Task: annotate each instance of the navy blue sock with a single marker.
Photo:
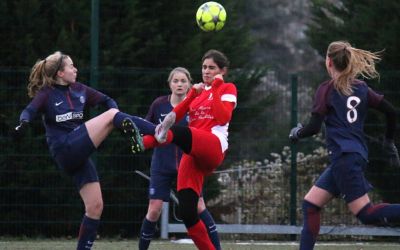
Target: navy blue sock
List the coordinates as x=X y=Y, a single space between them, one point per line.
x=383 y=214
x=311 y=225
x=208 y=220
x=145 y=127
x=147 y=232
x=87 y=233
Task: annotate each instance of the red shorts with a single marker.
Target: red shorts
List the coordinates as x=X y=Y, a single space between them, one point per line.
x=205 y=157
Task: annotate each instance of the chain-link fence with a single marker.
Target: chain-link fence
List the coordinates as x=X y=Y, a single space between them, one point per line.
x=251 y=187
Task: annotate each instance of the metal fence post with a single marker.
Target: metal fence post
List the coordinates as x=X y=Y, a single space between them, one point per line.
x=94 y=44
x=293 y=167
x=164 y=220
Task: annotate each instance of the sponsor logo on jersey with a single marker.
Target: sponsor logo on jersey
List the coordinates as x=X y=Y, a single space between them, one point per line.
x=58 y=103
x=69 y=116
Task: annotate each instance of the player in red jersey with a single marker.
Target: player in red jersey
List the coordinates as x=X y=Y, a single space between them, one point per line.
x=210 y=105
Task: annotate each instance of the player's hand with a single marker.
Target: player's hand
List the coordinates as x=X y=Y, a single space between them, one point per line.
x=218 y=81
x=219 y=76
x=391 y=152
x=294 y=133
x=199 y=87
x=19 y=131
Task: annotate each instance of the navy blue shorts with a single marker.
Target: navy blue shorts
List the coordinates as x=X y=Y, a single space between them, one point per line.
x=73 y=156
x=344 y=177
x=161 y=185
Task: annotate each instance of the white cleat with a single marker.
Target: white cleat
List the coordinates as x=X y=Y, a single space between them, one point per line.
x=162 y=128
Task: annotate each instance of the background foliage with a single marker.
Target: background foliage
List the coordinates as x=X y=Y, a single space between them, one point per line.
x=140 y=41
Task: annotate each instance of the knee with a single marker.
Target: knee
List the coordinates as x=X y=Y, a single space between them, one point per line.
x=94 y=209
x=153 y=213
x=188 y=199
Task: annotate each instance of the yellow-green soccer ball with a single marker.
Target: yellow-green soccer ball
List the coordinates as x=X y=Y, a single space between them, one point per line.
x=211 y=16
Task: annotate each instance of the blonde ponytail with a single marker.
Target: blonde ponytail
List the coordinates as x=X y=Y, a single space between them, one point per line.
x=44 y=72
x=351 y=62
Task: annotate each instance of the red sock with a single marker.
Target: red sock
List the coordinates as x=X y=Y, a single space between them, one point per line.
x=150 y=142
x=170 y=136
x=200 y=237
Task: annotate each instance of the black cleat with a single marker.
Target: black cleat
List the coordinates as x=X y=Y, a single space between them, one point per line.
x=131 y=130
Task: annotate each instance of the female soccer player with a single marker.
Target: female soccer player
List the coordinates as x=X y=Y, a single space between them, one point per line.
x=61 y=100
x=342 y=103
x=165 y=161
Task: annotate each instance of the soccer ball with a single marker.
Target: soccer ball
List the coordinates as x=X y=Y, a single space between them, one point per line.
x=211 y=16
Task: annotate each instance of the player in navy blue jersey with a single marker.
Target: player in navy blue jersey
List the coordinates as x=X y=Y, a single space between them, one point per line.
x=342 y=103
x=60 y=100
x=165 y=162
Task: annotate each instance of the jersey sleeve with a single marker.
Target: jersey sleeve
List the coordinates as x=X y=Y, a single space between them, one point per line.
x=321 y=97
x=225 y=98
x=95 y=97
x=37 y=105
x=229 y=94
x=374 y=98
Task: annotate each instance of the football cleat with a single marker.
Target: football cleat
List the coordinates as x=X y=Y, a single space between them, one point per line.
x=131 y=130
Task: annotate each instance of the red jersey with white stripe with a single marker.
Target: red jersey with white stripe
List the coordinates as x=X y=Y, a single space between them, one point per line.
x=201 y=115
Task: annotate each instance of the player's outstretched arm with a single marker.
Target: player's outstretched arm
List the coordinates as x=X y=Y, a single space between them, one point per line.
x=313 y=127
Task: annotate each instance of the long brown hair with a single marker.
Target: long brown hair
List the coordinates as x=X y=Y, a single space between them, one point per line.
x=44 y=72
x=351 y=62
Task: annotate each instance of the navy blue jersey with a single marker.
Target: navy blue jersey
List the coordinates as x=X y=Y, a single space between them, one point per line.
x=62 y=109
x=344 y=116
x=166 y=158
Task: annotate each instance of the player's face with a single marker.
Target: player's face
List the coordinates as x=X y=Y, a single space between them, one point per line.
x=69 y=73
x=209 y=69
x=179 y=84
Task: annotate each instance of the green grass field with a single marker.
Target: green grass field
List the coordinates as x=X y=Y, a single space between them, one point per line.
x=168 y=245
